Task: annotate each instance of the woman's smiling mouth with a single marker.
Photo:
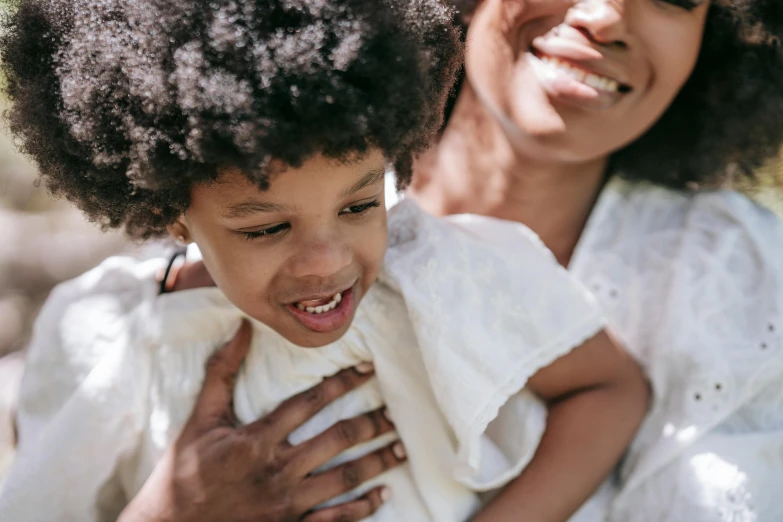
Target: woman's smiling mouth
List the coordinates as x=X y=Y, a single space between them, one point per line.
x=576 y=84
x=581 y=74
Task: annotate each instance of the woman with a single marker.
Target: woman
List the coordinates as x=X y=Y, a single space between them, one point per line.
x=595 y=123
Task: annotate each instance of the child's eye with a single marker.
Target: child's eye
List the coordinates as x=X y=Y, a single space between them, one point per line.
x=271 y=231
x=360 y=209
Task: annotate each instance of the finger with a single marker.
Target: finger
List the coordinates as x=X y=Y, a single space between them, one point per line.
x=348 y=433
x=297 y=410
x=354 y=511
x=214 y=401
x=330 y=484
x=193 y=275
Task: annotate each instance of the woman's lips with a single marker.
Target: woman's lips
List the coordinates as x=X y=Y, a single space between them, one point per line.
x=571 y=46
x=324 y=317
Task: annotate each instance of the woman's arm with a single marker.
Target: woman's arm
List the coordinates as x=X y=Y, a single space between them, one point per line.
x=597 y=397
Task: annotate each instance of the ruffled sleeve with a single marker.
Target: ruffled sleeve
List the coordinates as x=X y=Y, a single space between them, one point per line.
x=490 y=307
x=81 y=404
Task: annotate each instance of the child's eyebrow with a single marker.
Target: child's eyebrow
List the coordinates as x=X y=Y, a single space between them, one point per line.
x=370 y=178
x=249 y=208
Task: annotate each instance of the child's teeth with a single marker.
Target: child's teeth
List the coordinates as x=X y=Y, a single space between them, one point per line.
x=331 y=305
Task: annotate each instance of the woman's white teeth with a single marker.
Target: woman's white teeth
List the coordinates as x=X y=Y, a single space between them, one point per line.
x=593 y=80
x=331 y=305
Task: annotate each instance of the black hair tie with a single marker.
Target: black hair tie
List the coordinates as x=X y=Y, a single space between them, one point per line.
x=167 y=274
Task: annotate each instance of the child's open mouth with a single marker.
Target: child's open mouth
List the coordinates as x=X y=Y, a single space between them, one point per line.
x=325 y=314
x=319 y=306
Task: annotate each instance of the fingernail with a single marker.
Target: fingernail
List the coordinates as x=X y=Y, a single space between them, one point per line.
x=365 y=367
x=387 y=414
x=399 y=451
x=385 y=495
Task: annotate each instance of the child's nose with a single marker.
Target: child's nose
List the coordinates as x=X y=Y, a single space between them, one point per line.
x=321 y=258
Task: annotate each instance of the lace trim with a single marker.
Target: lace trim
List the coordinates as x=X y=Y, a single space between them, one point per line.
x=469 y=453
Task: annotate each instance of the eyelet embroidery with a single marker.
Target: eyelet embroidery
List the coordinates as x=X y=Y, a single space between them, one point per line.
x=770 y=338
x=605 y=291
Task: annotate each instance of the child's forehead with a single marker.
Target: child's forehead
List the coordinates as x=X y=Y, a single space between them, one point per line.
x=319 y=177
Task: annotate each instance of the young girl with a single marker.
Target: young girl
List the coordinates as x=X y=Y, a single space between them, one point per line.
x=261 y=131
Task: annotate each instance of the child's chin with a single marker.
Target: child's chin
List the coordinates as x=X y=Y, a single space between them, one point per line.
x=316 y=339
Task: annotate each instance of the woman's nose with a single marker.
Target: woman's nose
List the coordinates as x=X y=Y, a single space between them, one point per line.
x=602 y=21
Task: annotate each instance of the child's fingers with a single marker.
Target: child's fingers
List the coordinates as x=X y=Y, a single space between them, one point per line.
x=355 y=511
x=214 y=401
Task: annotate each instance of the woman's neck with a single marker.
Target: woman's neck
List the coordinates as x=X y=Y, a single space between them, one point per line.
x=475 y=169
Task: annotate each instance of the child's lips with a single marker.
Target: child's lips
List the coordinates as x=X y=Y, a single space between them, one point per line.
x=324 y=294
x=324 y=321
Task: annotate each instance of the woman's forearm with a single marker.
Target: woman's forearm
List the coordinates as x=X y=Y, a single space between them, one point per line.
x=586 y=435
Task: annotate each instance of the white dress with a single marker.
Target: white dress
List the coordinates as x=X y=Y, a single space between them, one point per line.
x=693 y=285
x=465 y=311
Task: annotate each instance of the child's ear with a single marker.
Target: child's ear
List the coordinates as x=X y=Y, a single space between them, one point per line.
x=179 y=231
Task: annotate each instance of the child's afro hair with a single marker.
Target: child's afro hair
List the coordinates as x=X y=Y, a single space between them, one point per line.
x=125 y=105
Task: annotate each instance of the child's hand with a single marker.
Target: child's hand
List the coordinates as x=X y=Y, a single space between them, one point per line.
x=216 y=471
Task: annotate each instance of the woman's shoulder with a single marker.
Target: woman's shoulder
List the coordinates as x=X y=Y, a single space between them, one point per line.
x=125 y=278
x=86 y=305
x=640 y=221
x=82 y=400
x=95 y=301
x=83 y=327
x=654 y=257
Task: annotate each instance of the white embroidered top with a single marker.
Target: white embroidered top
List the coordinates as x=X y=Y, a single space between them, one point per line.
x=693 y=285
x=465 y=311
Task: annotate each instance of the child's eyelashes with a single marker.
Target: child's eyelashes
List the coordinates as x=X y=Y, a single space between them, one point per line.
x=360 y=208
x=267 y=232
x=352 y=211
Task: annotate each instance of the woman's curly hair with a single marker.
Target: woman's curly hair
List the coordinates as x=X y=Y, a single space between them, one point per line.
x=727 y=121
x=125 y=105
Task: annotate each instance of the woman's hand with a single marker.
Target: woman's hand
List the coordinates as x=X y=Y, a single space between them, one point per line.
x=217 y=471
